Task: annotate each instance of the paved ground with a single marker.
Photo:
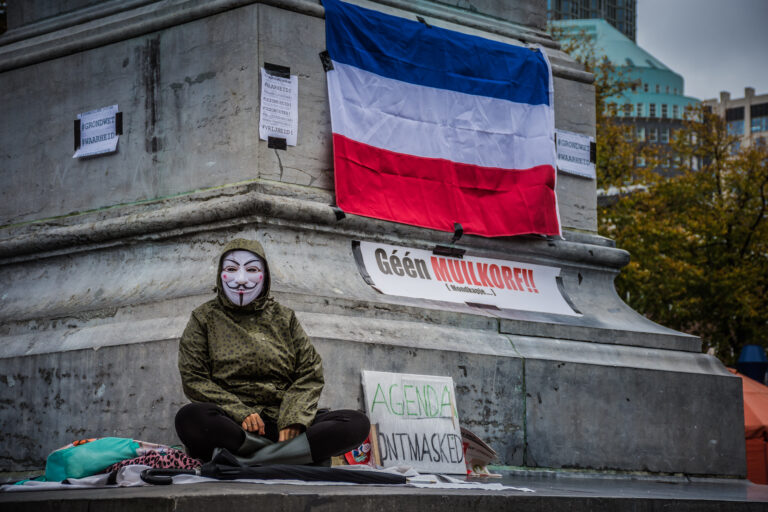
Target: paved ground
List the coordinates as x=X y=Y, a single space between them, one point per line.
x=553 y=493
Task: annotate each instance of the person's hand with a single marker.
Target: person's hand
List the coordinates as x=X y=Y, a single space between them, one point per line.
x=254 y=423
x=289 y=432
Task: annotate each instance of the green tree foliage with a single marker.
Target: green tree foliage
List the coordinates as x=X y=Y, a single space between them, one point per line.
x=699 y=239
x=617 y=152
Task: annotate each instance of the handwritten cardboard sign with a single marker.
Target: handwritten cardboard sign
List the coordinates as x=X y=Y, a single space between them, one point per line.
x=418 y=424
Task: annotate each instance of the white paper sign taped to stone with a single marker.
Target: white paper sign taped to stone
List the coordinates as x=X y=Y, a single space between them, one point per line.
x=573 y=154
x=98 y=132
x=418 y=424
x=279 y=107
x=506 y=284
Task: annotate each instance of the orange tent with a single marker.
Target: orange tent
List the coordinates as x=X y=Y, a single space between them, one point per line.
x=755 y=428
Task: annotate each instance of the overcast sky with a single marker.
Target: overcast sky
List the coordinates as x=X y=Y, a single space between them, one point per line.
x=716 y=45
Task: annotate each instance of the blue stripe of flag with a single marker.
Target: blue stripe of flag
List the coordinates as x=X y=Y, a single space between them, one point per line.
x=412 y=52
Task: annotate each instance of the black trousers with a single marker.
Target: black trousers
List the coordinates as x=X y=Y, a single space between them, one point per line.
x=205 y=426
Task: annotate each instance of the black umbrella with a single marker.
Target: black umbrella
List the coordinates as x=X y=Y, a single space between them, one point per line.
x=224 y=466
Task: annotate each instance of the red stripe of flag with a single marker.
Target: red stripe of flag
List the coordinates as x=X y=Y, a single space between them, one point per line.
x=435 y=193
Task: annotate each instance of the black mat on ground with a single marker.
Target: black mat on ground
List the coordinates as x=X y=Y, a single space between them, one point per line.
x=224 y=467
x=296 y=472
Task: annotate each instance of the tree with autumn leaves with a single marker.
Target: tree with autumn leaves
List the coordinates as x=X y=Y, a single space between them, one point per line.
x=698 y=239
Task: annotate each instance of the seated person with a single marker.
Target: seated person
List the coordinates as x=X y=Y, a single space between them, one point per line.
x=254 y=376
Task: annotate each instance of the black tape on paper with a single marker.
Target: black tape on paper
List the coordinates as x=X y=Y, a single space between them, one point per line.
x=277 y=70
x=338 y=212
x=458 y=232
x=361 y=264
x=277 y=143
x=449 y=250
x=325 y=58
x=77 y=134
x=444 y=250
x=483 y=306
x=561 y=288
x=592 y=152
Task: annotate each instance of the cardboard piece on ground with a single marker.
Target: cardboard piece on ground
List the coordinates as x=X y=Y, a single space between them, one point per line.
x=477 y=454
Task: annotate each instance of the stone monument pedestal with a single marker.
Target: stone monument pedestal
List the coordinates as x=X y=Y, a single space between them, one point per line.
x=103 y=259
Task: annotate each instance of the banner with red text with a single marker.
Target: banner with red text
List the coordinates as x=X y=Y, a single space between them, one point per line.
x=505 y=284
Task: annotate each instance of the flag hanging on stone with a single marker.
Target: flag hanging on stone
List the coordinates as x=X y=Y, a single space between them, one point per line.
x=433 y=127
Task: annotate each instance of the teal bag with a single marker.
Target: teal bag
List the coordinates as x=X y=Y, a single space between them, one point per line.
x=89 y=458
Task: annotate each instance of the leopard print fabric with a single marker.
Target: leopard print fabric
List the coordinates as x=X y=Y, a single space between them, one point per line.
x=167 y=459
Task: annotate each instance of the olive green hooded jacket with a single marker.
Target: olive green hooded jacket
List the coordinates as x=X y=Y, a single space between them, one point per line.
x=254 y=358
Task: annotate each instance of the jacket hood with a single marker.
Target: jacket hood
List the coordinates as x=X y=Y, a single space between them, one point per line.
x=261 y=301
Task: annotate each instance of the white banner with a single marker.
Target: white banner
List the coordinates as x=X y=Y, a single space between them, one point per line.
x=279 y=107
x=417 y=422
x=506 y=284
x=98 y=133
x=573 y=154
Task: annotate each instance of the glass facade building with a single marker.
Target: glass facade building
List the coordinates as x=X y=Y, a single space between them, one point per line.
x=621 y=14
x=656 y=105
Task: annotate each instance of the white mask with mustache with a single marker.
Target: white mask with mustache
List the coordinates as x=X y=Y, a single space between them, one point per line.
x=242 y=276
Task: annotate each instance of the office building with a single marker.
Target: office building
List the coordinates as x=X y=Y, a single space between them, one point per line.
x=621 y=14
x=656 y=105
x=747 y=117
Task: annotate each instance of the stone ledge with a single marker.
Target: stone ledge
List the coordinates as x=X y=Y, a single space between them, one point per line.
x=590 y=328
x=75 y=35
x=556 y=495
x=299 y=230
x=86 y=14
x=231 y=205
x=506 y=385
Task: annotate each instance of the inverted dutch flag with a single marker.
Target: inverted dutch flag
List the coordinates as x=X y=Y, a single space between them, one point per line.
x=432 y=127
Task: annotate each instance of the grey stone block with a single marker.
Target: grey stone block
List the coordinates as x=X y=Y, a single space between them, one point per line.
x=131 y=315
x=188 y=105
x=532 y=13
x=599 y=493
x=488 y=378
x=189 y=111
x=293 y=40
x=49 y=400
x=642 y=419
x=576 y=196
x=31 y=11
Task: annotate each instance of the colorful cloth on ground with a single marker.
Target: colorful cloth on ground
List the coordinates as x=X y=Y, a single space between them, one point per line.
x=90 y=456
x=432 y=127
x=163 y=459
x=251 y=359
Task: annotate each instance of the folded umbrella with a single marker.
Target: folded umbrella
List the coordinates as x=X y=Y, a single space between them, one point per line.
x=224 y=466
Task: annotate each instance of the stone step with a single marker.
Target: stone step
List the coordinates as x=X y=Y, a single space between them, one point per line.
x=551 y=493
